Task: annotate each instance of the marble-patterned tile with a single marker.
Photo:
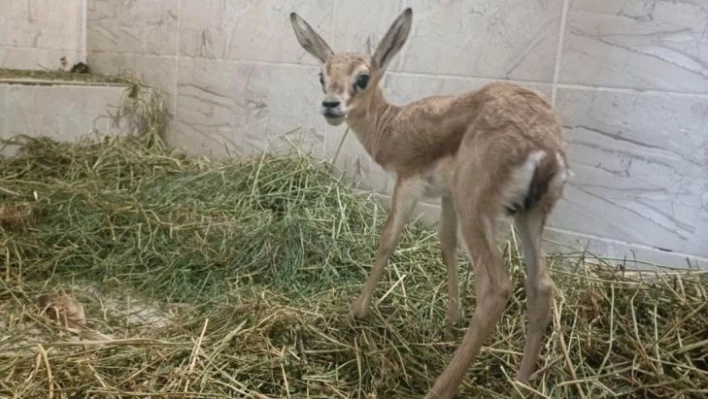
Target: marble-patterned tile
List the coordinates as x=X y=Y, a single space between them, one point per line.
x=360 y=25
x=512 y=39
x=640 y=165
x=228 y=108
x=142 y=27
x=402 y=88
x=637 y=44
x=159 y=72
x=250 y=30
x=41 y=24
x=36 y=58
x=607 y=251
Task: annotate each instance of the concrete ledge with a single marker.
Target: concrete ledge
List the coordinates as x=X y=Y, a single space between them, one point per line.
x=45 y=82
x=62 y=111
x=631 y=256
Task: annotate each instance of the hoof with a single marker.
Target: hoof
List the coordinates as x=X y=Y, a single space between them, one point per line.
x=452 y=325
x=433 y=395
x=451 y=333
x=358 y=311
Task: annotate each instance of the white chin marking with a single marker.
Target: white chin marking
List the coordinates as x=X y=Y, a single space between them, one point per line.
x=335 y=121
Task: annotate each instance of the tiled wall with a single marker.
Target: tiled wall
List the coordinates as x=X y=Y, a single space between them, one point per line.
x=629 y=79
x=35 y=34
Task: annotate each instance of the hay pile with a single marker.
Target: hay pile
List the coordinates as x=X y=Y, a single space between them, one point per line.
x=189 y=278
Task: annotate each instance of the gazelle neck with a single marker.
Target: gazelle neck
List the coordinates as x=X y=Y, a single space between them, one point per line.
x=370 y=121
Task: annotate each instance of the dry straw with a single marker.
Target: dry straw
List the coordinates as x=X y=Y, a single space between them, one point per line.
x=208 y=279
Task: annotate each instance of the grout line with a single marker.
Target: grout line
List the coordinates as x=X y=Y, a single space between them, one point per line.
x=431 y=75
x=328 y=130
x=333 y=39
x=132 y=53
x=179 y=28
x=404 y=52
x=176 y=90
x=447 y=76
x=84 y=34
x=462 y=77
x=592 y=237
x=629 y=90
x=175 y=93
x=300 y=65
x=11 y=47
x=559 y=51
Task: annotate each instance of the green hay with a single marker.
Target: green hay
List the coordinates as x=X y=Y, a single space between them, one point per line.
x=233 y=279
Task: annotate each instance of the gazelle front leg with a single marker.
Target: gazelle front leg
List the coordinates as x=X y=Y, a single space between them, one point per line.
x=405 y=196
x=448 y=246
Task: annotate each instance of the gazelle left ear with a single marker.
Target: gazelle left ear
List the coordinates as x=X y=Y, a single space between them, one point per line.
x=394 y=39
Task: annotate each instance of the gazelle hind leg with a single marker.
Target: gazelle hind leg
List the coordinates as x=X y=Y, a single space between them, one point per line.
x=539 y=285
x=538 y=288
x=493 y=289
x=448 y=246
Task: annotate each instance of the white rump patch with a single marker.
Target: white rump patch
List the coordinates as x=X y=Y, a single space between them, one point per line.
x=520 y=182
x=558 y=181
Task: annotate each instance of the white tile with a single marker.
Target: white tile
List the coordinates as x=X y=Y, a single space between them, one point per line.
x=36 y=34
x=250 y=30
x=402 y=88
x=34 y=58
x=514 y=39
x=142 y=27
x=42 y=24
x=360 y=25
x=616 y=253
x=228 y=108
x=641 y=168
x=637 y=44
x=159 y=72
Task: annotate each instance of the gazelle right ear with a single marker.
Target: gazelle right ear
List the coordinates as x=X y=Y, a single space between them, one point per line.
x=309 y=39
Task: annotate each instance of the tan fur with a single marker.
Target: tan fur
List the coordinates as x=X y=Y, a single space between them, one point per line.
x=486 y=153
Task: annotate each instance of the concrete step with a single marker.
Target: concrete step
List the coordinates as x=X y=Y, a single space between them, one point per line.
x=64 y=110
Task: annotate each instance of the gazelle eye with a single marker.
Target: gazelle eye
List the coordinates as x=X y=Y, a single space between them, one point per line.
x=362 y=81
x=321 y=79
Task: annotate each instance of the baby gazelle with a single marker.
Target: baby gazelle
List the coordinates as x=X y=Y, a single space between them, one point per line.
x=495 y=152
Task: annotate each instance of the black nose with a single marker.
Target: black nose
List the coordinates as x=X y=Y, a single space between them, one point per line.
x=330 y=104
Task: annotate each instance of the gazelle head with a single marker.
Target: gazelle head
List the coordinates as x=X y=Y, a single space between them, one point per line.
x=348 y=79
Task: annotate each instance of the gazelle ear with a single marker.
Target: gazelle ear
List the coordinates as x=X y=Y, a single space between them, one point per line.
x=393 y=41
x=309 y=39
